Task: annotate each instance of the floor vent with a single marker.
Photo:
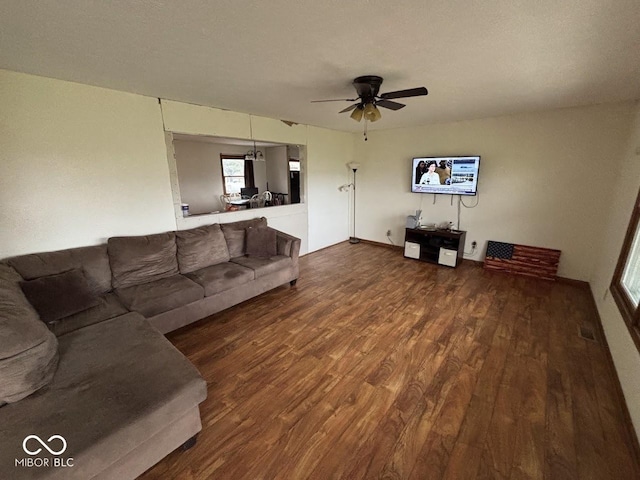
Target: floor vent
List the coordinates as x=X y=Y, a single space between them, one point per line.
x=586 y=333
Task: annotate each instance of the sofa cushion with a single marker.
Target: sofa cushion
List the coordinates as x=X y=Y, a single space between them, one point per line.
x=163 y=295
x=93 y=261
x=235 y=242
x=201 y=247
x=264 y=266
x=218 y=278
x=28 y=350
x=136 y=260
x=119 y=383
x=261 y=242
x=235 y=239
x=58 y=296
x=109 y=306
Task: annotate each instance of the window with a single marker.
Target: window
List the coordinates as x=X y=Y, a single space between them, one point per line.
x=233 y=173
x=625 y=285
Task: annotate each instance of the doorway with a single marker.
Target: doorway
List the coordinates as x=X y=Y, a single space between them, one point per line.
x=294 y=180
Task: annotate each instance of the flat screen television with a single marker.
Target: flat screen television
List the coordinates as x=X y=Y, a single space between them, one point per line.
x=448 y=175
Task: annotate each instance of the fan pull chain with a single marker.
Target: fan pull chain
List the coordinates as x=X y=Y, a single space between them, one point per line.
x=365 y=130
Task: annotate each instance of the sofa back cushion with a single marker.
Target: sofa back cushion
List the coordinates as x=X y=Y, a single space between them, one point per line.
x=235 y=234
x=94 y=262
x=57 y=296
x=244 y=224
x=261 y=242
x=201 y=247
x=28 y=350
x=235 y=242
x=144 y=259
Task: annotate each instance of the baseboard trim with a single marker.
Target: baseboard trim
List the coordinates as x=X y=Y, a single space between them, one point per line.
x=572 y=281
x=632 y=436
x=328 y=246
x=380 y=244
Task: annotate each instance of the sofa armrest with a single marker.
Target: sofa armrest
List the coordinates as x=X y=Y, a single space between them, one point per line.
x=288 y=245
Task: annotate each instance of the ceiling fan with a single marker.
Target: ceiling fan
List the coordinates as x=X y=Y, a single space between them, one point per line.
x=368 y=99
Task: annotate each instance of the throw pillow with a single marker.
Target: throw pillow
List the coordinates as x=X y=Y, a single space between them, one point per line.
x=261 y=242
x=235 y=242
x=58 y=296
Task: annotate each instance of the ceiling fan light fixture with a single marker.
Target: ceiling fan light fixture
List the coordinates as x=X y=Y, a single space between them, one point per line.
x=371 y=112
x=376 y=114
x=357 y=113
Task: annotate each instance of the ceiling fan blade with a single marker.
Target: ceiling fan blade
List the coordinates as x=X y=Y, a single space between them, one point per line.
x=411 y=92
x=349 y=108
x=390 y=105
x=335 y=100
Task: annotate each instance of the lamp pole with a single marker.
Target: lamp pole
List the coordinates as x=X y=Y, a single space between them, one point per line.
x=354 y=166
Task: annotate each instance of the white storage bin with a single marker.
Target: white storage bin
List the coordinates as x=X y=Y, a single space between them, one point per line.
x=412 y=250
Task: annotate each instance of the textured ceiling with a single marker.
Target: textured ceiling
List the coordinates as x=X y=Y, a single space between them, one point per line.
x=478 y=59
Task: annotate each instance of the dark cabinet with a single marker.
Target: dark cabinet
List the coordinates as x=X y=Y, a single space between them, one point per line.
x=444 y=247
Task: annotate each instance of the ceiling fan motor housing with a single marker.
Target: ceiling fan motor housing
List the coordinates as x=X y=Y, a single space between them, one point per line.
x=367 y=87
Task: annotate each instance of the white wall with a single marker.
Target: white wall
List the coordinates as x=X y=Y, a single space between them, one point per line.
x=328 y=152
x=622 y=198
x=545 y=179
x=78 y=164
x=277 y=170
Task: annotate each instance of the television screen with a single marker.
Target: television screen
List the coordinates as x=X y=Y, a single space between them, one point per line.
x=448 y=175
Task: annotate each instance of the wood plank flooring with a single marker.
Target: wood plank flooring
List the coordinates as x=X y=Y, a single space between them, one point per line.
x=376 y=366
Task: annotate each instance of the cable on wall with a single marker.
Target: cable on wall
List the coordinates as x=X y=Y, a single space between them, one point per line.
x=471 y=206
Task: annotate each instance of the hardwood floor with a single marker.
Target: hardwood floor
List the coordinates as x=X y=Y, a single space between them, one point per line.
x=376 y=366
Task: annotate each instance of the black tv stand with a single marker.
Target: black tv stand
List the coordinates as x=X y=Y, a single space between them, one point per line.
x=444 y=247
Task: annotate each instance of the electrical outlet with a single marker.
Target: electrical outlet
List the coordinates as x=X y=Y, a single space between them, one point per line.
x=474 y=244
x=388 y=233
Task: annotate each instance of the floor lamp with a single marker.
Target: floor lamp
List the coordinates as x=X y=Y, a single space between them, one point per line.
x=354 y=166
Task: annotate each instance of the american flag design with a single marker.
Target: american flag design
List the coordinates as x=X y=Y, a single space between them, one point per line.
x=500 y=250
x=522 y=260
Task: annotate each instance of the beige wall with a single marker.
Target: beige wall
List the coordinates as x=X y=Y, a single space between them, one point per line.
x=545 y=179
x=621 y=200
x=328 y=153
x=78 y=164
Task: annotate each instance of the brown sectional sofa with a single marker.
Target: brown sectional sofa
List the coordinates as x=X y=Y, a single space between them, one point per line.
x=104 y=377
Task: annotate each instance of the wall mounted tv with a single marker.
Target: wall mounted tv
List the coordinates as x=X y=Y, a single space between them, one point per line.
x=448 y=175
